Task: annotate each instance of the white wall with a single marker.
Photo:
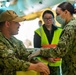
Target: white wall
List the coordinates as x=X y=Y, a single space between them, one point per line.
x=26 y=30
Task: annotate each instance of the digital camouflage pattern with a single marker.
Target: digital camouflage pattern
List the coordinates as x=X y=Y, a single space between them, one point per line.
x=13 y=56
x=66 y=49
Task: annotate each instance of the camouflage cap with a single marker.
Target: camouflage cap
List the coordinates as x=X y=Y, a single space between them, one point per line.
x=10 y=15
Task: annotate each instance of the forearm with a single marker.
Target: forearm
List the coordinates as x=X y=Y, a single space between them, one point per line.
x=9 y=61
x=62 y=48
x=15 y=64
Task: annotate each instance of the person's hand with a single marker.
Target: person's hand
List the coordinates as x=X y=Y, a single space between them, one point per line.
x=34 y=54
x=40 y=67
x=51 y=60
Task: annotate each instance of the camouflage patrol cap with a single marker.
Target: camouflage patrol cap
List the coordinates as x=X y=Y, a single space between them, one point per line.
x=10 y=15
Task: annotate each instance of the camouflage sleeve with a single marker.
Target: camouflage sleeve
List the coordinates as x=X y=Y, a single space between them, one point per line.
x=10 y=61
x=22 y=52
x=64 y=45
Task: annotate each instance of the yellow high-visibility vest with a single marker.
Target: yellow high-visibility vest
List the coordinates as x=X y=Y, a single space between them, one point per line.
x=45 y=44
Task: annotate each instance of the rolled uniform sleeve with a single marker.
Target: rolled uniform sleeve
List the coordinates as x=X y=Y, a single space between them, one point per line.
x=64 y=45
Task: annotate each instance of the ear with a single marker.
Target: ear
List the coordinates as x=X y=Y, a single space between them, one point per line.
x=66 y=11
x=7 y=24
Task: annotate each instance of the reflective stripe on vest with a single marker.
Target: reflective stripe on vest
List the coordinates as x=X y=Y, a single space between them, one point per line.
x=45 y=44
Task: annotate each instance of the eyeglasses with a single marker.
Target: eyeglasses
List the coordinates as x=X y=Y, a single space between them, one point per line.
x=48 y=18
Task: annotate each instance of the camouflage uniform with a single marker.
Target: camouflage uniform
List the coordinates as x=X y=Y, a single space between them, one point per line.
x=66 y=49
x=13 y=56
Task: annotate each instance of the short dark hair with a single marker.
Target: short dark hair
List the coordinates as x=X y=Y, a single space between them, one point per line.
x=67 y=6
x=47 y=11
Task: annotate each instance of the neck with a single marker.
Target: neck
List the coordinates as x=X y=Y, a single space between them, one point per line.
x=5 y=33
x=69 y=18
x=49 y=27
